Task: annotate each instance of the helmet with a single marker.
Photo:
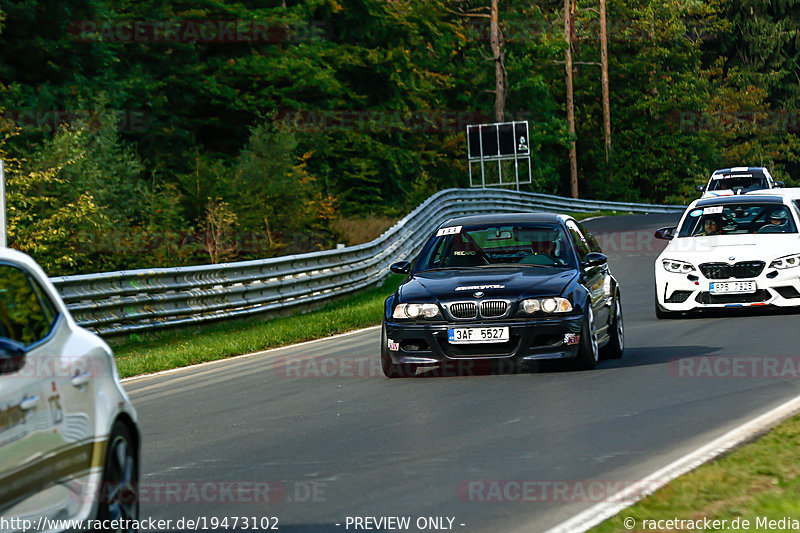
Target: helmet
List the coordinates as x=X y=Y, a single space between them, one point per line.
x=778 y=217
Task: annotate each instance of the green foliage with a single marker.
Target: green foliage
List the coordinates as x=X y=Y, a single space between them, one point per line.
x=292 y=114
x=51 y=227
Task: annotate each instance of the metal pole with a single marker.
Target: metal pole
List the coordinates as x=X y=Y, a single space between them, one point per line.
x=3 y=241
x=469 y=158
x=499 y=156
x=516 y=157
x=483 y=175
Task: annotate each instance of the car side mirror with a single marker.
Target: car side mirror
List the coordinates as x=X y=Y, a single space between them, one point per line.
x=401 y=267
x=779 y=184
x=12 y=354
x=665 y=234
x=594 y=259
x=700 y=188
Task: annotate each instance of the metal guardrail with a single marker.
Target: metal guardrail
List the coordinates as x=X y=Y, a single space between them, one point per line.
x=113 y=303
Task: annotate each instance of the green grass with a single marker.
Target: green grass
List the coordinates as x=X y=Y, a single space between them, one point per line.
x=759 y=479
x=174 y=349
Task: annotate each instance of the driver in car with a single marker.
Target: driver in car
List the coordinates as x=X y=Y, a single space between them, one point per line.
x=776 y=223
x=711 y=226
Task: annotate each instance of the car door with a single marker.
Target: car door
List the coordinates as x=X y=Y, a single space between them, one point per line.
x=38 y=450
x=607 y=298
x=595 y=277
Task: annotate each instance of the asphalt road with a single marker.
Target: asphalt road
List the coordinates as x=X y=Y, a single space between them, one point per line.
x=314 y=434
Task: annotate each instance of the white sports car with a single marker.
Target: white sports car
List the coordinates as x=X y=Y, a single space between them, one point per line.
x=738 y=180
x=734 y=251
x=69 y=442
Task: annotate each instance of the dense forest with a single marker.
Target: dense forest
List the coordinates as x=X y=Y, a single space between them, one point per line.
x=162 y=133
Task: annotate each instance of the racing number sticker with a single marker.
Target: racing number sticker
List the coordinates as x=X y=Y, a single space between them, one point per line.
x=454 y=230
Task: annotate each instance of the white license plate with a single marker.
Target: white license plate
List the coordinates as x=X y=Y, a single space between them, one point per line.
x=732 y=287
x=477 y=335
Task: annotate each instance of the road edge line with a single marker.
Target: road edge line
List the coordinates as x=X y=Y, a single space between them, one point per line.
x=621 y=500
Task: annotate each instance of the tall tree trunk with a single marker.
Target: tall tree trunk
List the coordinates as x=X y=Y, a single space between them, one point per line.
x=499 y=67
x=604 y=78
x=573 y=151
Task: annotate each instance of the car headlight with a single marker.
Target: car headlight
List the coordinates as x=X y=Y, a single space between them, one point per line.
x=787 y=261
x=415 y=311
x=677 y=267
x=548 y=305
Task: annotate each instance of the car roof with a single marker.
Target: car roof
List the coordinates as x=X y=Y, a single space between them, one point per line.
x=505 y=218
x=734 y=170
x=741 y=198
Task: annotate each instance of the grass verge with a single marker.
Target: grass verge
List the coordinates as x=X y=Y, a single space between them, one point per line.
x=174 y=349
x=758 y=483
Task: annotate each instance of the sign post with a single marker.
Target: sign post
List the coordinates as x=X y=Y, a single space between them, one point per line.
x=3 y=242
x=500 y=142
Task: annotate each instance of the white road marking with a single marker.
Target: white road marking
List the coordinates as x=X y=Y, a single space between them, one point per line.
x=596 y=514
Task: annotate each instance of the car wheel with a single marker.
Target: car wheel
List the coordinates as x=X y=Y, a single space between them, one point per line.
x=588 y=352
x=662 y=313
x=616 y=344
x=389 y=367
x=119 y=499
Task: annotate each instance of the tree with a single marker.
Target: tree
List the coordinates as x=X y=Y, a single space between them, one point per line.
x=573 y=155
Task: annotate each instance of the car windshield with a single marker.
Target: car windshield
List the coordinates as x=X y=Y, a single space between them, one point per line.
x=738 y=218
x=487 y=246
x=747 y=181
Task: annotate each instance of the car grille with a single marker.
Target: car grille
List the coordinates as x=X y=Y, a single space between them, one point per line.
x=678 y=297
x=464 y=310
x=742 y=269
x=493 y=308
x=488 y=309
x=761 y=295
x=788 y=292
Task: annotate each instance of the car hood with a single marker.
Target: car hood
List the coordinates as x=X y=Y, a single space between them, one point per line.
x=504 y=283
x=730 y=192
x=732 y=248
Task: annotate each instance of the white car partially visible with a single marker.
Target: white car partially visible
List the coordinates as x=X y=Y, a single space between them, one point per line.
x=69 y=442
x=738 y=180
x=735 y=251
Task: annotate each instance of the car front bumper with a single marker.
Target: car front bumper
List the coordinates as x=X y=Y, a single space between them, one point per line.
x=678 y=292
x=554 y=337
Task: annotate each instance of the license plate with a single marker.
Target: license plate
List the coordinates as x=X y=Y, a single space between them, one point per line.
x=477 y=335
x=732 y=287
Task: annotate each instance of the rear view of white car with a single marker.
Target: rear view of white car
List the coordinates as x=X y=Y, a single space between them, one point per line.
x=69 y=443
x=738 y=180
x=740 y=251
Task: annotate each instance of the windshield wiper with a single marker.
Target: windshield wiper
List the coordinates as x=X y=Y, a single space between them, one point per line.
x=450 y=268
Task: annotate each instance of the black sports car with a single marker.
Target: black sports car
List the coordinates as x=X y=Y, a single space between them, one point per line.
x=512 y=287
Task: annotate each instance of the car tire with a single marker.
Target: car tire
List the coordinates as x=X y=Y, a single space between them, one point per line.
x=616 y=343
x=588 y=351
x=390 y=368
x=662 y=313
x=119 y=497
